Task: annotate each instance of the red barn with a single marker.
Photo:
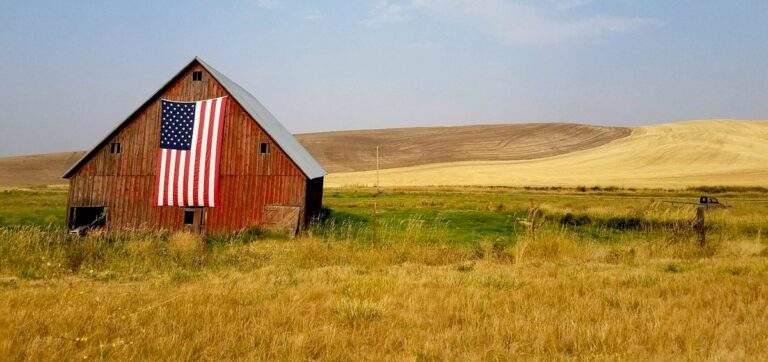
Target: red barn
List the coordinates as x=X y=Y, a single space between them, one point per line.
x=266 y=178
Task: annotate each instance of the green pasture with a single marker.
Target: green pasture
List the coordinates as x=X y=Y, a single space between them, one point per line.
x=470 y=215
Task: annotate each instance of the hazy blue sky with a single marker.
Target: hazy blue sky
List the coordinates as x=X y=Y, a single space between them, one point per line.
x=71 y=70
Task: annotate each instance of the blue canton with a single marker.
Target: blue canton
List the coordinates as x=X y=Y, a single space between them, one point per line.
x=177 y=125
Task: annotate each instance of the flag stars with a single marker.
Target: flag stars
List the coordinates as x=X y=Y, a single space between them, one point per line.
x=177 y=125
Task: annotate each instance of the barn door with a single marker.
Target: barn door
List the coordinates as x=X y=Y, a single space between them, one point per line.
x=283 y=219
x=194 y=220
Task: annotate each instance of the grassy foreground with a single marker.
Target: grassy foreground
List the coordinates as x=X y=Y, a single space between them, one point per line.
x=616 y=279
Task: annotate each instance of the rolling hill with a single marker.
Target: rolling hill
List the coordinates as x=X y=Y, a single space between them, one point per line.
x=43 y=169
x=716 y=152
x=400 y=147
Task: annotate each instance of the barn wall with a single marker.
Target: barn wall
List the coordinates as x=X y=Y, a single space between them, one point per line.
x=248 y=181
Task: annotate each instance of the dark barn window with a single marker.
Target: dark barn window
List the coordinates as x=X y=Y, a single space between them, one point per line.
x=197 y=75
x=115 y=148
x=265 y=148
x=87 y=216
x=189 y=216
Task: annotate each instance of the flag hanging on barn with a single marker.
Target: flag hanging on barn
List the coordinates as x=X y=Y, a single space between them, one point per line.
x=189 y=153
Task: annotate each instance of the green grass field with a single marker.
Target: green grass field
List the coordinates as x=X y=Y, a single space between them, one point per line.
x=473 y=214
x=454 y=273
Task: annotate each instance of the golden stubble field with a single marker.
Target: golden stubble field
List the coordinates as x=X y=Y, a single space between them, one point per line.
x=310 y=300
x=675 y=155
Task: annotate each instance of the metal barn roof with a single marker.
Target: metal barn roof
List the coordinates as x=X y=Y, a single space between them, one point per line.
x=284 y=139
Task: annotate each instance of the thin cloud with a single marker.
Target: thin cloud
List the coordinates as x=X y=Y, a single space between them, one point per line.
x=312 y=15
x=266 y=4
x=385 y=12
x=564 y=5
x=511 y=22
x=426 y=45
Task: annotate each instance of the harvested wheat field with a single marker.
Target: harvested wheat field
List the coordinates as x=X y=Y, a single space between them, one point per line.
x=715 y=152
x=356 y=150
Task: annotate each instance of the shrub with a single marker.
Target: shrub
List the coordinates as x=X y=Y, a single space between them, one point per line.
x=625 y=223
x=575 y=220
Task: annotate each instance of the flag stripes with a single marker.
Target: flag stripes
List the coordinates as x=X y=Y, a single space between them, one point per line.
x=189 y=154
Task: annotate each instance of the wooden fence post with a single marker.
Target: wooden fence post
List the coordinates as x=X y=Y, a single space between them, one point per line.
x=699 y=226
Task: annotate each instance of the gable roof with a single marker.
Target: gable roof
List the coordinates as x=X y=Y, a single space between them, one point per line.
x=284 y=139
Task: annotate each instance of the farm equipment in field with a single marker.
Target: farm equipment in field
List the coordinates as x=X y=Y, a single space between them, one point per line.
x=711 y=203
x=707 y=202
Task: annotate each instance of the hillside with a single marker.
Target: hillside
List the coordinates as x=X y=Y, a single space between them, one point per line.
x=44 y=169
x=356 y=150
x=400 y=147
x=719 y=152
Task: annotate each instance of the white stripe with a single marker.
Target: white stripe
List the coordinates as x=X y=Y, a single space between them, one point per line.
x=171 y=177
x=180 y=187
x=161 y=190
x=191 y=179
x=212 y=160
x=201 y=180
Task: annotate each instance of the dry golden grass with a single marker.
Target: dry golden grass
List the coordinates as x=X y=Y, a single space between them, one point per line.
x=670 y=156
x=186 y=242
x=310 y=299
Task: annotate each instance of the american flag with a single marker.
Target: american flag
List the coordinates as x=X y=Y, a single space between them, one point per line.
x=188 y=158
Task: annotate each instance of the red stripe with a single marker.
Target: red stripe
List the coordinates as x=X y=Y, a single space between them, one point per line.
x=199 y=141
x=217 y=161
x=208 y=140
x=157 y=176
x=167 y=180
x=176 y=192
x=179 y=178
x=185 y=177
x=164 y=171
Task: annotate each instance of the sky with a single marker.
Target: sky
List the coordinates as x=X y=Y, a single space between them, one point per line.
x=71 y=71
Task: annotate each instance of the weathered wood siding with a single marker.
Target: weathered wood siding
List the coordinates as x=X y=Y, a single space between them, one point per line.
x=249 y=180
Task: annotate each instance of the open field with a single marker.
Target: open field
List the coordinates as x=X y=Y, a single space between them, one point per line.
x=454 y=273
x=673 y=155
x=355 y=150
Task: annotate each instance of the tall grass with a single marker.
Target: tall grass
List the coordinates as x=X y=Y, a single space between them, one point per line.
x=552 y=296
x=456 y=277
